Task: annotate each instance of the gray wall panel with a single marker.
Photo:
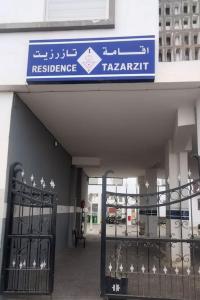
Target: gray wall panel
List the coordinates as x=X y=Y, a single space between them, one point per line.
x=33 y=145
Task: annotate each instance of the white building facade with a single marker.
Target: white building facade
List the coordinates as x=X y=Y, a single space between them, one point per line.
x=71 y=130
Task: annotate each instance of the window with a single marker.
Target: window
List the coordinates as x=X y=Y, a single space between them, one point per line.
x=176 y=10
x=197 y=56
x=167 y=10
x=198 y=229
x=76 y=10
x=195 y=39
x=186 y=39
x=178 y=54
x=95 y=208
x=185 y=9
x=168 y=40
x=177 y=24
x=57 y=15
x=195 y=22
x=187 y=54
x=168 y=23
x=177 y=40
x=160 y=56
x=194 y=9
x=186 y=23
x=169 y=56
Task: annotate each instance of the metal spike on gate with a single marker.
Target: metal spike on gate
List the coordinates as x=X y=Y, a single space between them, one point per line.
x=24 y=263
x=110 y=267
x=52 y=184
x=34 y=184
x=44 y=264
x=34 y=264
x=13 y=263
x=131 y=268
x=22 y=173
x=154 y=270
x=165 y=270
x=121 y=268
x=188 y=271
x=176 y=271
x=147 y=184
x=20 y=265
x=32 y=178
x=44 y=185
x=42 y=181
x=143 y=269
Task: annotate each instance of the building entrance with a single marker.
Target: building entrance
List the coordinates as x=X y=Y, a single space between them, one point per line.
x=109 y=113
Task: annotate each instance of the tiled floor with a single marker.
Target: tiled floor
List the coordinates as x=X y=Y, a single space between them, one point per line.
x=76 y=274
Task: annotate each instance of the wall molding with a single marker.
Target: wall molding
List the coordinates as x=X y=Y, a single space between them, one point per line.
x=61 y=209
x=62 y=25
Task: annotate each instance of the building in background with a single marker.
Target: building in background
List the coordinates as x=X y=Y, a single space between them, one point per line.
x=179 y=36
x=117 y=185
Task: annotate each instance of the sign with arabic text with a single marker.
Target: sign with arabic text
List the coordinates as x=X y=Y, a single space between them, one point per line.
x=113 y=59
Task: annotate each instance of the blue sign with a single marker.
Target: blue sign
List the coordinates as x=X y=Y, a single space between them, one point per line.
x=113 y=59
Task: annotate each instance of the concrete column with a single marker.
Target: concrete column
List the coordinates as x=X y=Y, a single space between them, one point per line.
x=183 y=161
x=178 y=217
x=148 y=184
x=172 y=172
x=6 y=101
x=99 y=207
x=142 y=216
x=198 y=125
x=151 y=176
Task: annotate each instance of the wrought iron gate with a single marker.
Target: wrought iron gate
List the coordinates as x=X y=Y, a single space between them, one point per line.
x=29 y=246
x=153 y=257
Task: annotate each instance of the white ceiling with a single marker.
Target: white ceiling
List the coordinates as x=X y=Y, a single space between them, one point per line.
x=125 y=125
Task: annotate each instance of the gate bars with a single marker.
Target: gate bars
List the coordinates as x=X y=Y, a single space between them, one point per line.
x=153 y=257
x=30 y=230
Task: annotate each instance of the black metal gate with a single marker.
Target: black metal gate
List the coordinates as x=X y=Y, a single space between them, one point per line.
x=29 y=246
x=137 y=263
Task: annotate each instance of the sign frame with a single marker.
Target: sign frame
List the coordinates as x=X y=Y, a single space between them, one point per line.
x=91 y=60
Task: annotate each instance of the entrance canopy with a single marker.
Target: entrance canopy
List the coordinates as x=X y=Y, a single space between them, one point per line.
x=121 y=126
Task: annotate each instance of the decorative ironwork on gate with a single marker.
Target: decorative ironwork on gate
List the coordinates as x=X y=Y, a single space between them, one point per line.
x=149 y=256
x=29 y=246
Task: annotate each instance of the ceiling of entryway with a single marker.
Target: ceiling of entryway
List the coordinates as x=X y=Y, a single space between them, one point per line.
x=125 y=125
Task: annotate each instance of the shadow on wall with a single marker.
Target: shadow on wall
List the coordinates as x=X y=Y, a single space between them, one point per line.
x=34 y=146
